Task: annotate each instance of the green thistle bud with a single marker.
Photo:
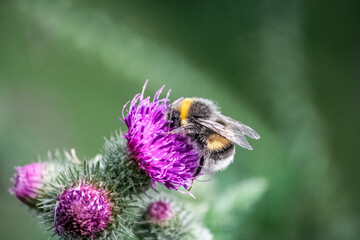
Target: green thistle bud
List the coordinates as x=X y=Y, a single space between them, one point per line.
x=163 y=217
x=31 y=181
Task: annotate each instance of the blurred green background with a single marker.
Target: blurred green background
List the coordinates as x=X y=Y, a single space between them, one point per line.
x=289 y=69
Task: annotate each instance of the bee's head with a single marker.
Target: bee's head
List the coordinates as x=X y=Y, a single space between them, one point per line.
x=189 y=110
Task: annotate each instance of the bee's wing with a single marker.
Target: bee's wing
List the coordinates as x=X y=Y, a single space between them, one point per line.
x=234 y=132
x=239 y=127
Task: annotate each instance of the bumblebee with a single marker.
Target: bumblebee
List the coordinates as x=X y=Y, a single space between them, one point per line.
x=215 y=134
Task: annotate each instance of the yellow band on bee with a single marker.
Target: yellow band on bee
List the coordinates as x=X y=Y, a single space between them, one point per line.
x=185 y=106
x=216 y=142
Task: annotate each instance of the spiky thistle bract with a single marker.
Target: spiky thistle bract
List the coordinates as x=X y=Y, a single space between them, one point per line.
x=120 y=170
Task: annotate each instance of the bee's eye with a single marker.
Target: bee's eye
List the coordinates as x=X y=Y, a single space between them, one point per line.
x=174 y=116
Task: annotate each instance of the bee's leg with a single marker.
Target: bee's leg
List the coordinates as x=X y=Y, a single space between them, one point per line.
x=198 y=170
x=177 y=130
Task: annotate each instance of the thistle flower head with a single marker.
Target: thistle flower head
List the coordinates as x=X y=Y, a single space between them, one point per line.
x=84 y=206
x=28 y=180
x=166 y=157
x=82 y=211
x=159 y=212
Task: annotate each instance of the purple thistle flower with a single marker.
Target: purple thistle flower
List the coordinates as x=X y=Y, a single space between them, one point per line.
x=167 y=158
x=159 y=212
x=82 y=211
x=28 y=180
